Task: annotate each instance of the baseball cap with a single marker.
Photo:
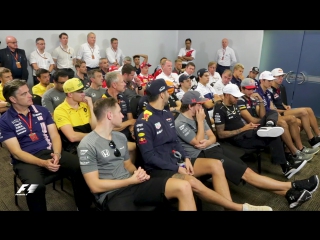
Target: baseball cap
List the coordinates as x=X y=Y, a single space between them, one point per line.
x=277 y=72
x=183 y=77
x=145 y=64
x=201 y=71
x=113 y=68
x=248 y=83
x=192 y=97
x=72 y=85
x=266 y=75
x=255 y=69
x=157 y=86
x=232 y=89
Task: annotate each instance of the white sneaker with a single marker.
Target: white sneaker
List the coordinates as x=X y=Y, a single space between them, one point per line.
x=270 y=131
x=248 y=207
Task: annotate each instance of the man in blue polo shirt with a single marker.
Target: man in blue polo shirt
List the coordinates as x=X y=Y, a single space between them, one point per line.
x=32 y=138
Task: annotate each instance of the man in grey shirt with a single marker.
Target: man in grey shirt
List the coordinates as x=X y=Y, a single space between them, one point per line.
x=200 y=142
x=54 y=96
x=109 y=173
x=95 y=91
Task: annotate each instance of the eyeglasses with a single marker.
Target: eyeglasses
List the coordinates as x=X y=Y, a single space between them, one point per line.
x=117 y=153
x=79 y=91
x=13 y=42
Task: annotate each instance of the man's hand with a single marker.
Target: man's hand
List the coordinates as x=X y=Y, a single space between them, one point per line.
x=56 y=157
x=250 y=126
x=203 y=144
x=88 y=100
x=189 y=167
x=256 y=96
x=50 y=165
x=139 y=176
x=200 y=115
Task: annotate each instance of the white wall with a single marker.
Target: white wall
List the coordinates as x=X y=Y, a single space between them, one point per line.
x=155 y=43
x=247 y=45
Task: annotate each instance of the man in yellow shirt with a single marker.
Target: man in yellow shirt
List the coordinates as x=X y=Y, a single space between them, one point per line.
x=43 y=75
x=74 y=117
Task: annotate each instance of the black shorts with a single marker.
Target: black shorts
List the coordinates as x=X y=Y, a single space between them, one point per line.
x=233 y=166
x=146 y=196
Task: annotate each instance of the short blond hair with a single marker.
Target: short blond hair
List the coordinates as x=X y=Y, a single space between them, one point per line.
x=238 y=66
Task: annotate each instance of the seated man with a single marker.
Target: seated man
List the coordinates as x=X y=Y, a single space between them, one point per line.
x=5 y=76
x=55 y=96
x=116 y=183
x=116 y=87
x=252 y=109
x=305 y=114
x=43 y=76
x=230 y=127
x=31 y=137
x=95 y=91
x=199 y=141
x=161 y=151
x=74 y=117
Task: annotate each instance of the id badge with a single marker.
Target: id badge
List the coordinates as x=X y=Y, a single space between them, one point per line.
x=33 y=137
x=18 y=64
x=92 y=56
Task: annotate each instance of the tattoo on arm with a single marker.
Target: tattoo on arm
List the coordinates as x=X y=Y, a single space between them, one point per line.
x=226 y=134
x=179 y=176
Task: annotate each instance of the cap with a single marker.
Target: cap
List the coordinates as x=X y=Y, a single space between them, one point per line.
x=145 y=64
x=113 y=68
x=248 y=83
x=157 y=86
x=277 y=72
x=266 y=75
x=192 y=97
x=183 y=77
x=232 y=89
x=171 y=85
x=255 y=69
x=201 y=71
x=72 y=85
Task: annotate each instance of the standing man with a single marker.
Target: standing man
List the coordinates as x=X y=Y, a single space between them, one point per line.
x=41 y=59
x=187 y=54
x=64 y=55
x=32 y=138
x=225 y=57
x=14 y=59
x=90 y=52
x=55 y=96
x=136 y=61
x=114 y=54
x=95 y=91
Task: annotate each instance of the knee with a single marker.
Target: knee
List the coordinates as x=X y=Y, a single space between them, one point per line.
x=216 y=166
x=194 y=182
x=282 y=123
x=292 y=119
x=304 y=112
x=184 y=187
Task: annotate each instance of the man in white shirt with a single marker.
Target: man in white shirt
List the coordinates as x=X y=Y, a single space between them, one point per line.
x=64 y=56
x=114 y=54
x=219 y=85
x=90 y=52
x=225 y=57
x=167 y=73
x=187 y=54
x=213 y=75
x=41 y=59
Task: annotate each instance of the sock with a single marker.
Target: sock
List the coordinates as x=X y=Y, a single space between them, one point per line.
x=301 y=149
x=312 y=139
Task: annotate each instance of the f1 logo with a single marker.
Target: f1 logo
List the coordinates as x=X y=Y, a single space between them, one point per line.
x=25 y=189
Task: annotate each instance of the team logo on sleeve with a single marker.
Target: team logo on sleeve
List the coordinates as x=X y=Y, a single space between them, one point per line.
x=146 y=115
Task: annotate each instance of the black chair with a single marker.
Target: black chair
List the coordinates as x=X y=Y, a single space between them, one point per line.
x=134 y=102
x=283 y=94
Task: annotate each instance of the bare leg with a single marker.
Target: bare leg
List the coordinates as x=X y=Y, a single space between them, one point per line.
x=304 y=117
x=266 y=183
x=286 y=136
x=313 y=121
x=204 y=166
x=180 y=189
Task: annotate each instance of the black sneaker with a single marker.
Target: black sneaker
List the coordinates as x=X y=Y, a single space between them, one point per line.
x=311 y=184
x=292 y=169
x=314 y=142
x=295 y=197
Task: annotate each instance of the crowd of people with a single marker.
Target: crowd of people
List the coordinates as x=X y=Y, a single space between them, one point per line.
x=133 y=140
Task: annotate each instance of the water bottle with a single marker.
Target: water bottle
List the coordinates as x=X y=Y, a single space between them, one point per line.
x=178 y=155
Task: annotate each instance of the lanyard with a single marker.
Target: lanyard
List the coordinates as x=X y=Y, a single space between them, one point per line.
x=44 y=55
x=30 y=122
x=15 y=56
x=65 y=50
